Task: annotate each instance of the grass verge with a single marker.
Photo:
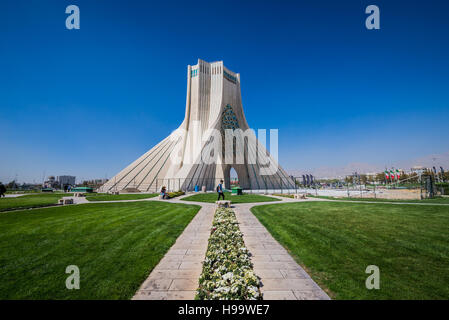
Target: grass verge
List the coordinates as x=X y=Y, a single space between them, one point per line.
x=115 y=197
x=442 y=200
x=336 y=241
x=114 y=245
x=31 y=201
x=245 y=198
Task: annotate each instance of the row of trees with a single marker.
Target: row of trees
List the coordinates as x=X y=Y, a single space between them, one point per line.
x=14 y=185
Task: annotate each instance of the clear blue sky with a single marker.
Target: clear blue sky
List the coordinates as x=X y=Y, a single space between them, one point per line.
x=88 y=102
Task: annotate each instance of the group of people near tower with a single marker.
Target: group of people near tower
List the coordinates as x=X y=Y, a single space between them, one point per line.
x=220 y=190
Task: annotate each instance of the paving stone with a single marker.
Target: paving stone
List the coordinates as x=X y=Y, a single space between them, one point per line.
x=175 y=274
x=184 y=284
x=279 y=295
x=270 y=252
x=282 y=258
x=184 y=242
x=311 y=295
x=268 y=273
x=261 y=257
x=294 y=274
x=190 y=246
x=151 y=295
x=168 y=265
x=195 y=252
x=254 y=246
x=194 y=257
x=200 y=241
x=203 y=234
x=288 y=284
x=181 y=246
x=181 y=295
x=177 y=252
x=191 y=265
x=272 y=246
x=172 y=258
x=254 y=239
x=275 y=265
x=157 y=284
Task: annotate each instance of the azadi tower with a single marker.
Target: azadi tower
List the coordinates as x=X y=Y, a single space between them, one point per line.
x=213 y=138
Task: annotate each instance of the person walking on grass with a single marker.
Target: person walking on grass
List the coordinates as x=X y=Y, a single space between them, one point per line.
x=2 y=190
x=220 y=190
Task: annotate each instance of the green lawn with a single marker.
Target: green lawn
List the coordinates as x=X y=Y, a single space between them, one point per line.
x=245 y=198
x=31 y=201
x=113 y=197
x=115 y=246
x=443 y=200
x=336 y=241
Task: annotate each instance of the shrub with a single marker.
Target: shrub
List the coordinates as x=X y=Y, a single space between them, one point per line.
x=285 y=195
x=175 y=194
x=444 y=186
x=227 y=269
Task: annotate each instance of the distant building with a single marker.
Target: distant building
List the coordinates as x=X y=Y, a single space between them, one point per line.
x=418 y=169
x=371 y=176
x=50 y=182
x=66 y=180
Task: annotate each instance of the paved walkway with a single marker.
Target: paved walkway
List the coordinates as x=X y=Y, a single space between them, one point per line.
x=176 y=276
x=14 y=195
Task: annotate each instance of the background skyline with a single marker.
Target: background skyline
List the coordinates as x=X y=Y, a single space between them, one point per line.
x=88 y=102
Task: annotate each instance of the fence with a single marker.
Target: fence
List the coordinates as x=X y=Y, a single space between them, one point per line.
x=268 y=185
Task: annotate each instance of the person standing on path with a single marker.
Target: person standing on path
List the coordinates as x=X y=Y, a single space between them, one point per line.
x=2 y=190
x=220 y=190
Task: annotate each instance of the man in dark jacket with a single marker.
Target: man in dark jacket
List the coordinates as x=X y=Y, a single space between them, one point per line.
x=2 y=190
x=220 y=190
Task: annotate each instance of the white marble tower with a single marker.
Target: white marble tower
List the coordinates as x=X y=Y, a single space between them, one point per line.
x=202 y=150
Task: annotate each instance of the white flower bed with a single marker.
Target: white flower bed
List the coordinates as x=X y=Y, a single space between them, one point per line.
x=227 y=269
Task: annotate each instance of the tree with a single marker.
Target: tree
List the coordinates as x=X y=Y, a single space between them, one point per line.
x=404 y=176
x=380 y=177
x=363 y=178
x=12 y=185
x=446 y=176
